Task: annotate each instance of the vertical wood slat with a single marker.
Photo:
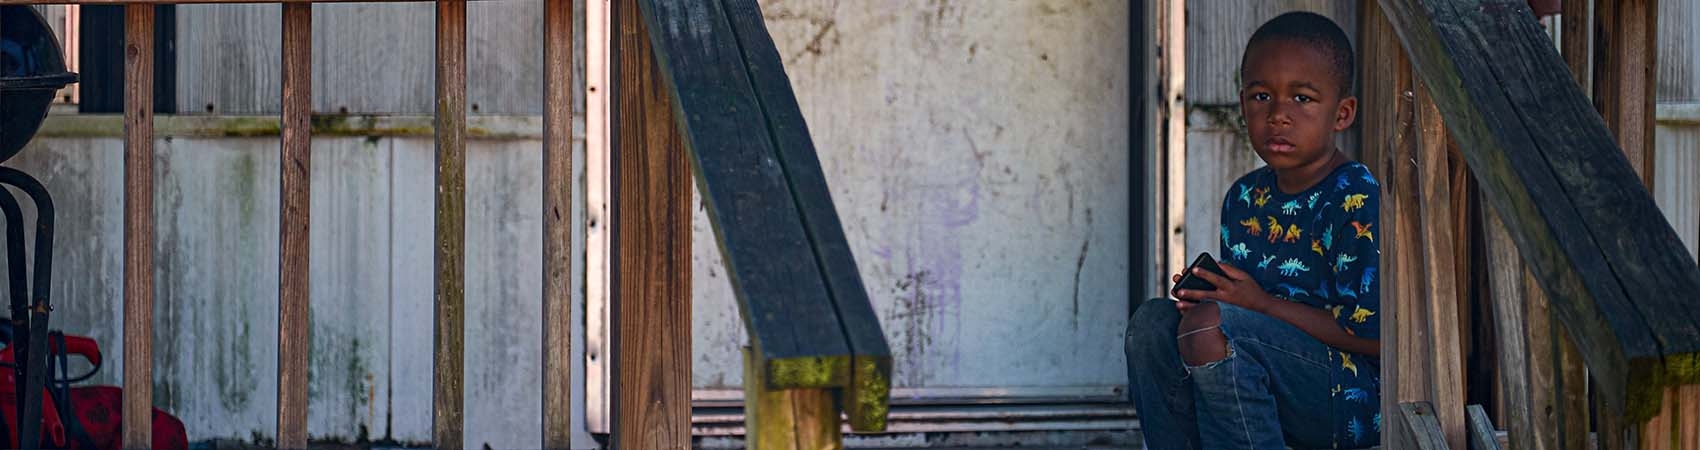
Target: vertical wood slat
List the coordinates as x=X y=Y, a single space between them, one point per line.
x=1573 y=419
x=447 y=423
x=1625 y=58
x=1172 y=105
x=652 y=233
x=294 y=237
x=1509 y=295
x=1382 y=99
x=557 y=223
x=138 y=226
x=1435 y=202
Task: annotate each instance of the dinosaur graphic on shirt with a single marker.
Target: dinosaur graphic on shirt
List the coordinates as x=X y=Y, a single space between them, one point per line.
x=1316 y=246
x=1345 y=290
x=1342 y=262
x=1369 y=277
x=1341 y=182
x=1252 y=227
x=1293 y=291
x=1275 y=230
x=1291 y=208
x=1312 y=202
x=1262 y=196
x=1364 y=230
x=1292 y=267
x=1224 y=233
x=1328 y=237
x=1336 y=310
x=1293 y=233
x=1265 y=263
x=1240 y=251
x=1346 y=363
x=1357 y=395
x=1354 y=201
x=1370 y=179
x=1355 y=429
x=1245 y=195
x=1359 y=314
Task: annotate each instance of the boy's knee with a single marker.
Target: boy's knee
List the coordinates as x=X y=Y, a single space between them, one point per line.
x=1200 y=336
x=1151 y=325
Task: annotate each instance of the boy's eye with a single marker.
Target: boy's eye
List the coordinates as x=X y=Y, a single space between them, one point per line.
x=1260 y=96
x=1303 y=98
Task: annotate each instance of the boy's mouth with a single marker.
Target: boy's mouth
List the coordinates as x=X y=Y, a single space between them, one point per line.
x=1279 y=145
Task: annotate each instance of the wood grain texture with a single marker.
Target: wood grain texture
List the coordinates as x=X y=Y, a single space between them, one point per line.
x=1483 y=436
x=1435 y=202
x=294 y=237
x=753 y=204
x=1420 y=428
x=1572 y=415
x=1532 y=105
x=1626 y=63
x=867 y=396
x=138 y=226
x=786 y=419
x=447 y=396
x=1515 y=344
x=1382 y=103
x=652 y=234
x=557 y=223
x=1576 y=41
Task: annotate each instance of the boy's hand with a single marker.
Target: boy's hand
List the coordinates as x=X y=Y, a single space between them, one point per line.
x=1237 y=288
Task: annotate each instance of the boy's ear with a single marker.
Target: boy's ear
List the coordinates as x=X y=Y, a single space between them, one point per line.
x=1346 y=114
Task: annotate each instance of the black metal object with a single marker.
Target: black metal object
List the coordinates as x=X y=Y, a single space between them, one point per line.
x=32 y=69
x=30 y=313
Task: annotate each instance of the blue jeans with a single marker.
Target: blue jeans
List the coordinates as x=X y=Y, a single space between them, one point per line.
x=1273 y=390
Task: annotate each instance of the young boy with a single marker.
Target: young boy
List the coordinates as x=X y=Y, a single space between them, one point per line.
x=1284 y=351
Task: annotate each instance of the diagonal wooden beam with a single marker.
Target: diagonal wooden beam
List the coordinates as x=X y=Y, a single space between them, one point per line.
x=1578 y=213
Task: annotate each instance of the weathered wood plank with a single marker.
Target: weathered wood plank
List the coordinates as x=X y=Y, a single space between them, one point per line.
x=1435 y=200
x=1419 y=427
x=1526 y=114
x=652 y=257
x=1576 y=41
x=1384 y=118
x=866 y=399
x=1515 y=345
x=788 y=419
x=294 y=237
x=138 y=226
x=557 y=223
x=782 y=297
x=1626 y=63
x=1482 y=434
x=447 y=406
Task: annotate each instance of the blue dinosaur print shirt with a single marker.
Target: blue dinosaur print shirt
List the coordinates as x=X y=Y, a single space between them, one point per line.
x=1318 y=247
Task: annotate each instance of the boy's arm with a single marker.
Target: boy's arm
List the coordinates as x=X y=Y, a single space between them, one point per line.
x=1239 y=289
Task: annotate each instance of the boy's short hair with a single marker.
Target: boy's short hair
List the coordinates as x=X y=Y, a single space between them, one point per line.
x=1314 y=30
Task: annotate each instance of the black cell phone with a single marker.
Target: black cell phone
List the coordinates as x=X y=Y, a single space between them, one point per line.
x=1194 y=283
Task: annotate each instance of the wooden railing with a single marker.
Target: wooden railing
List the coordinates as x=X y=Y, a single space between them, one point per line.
x=295 y=212
x=1572 y=199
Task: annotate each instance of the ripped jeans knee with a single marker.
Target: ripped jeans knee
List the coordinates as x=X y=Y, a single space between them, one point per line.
x=1200 y=338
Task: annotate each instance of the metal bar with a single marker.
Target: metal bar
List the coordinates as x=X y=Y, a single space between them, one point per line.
x=138 y=226
x=447 y=422
x=293 y=255
x=557 y=223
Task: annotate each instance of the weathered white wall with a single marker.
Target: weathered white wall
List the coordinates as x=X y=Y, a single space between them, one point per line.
x=216 y=204
x=978 y=155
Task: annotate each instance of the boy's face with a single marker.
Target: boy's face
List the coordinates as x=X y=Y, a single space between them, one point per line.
x=1292 y=104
